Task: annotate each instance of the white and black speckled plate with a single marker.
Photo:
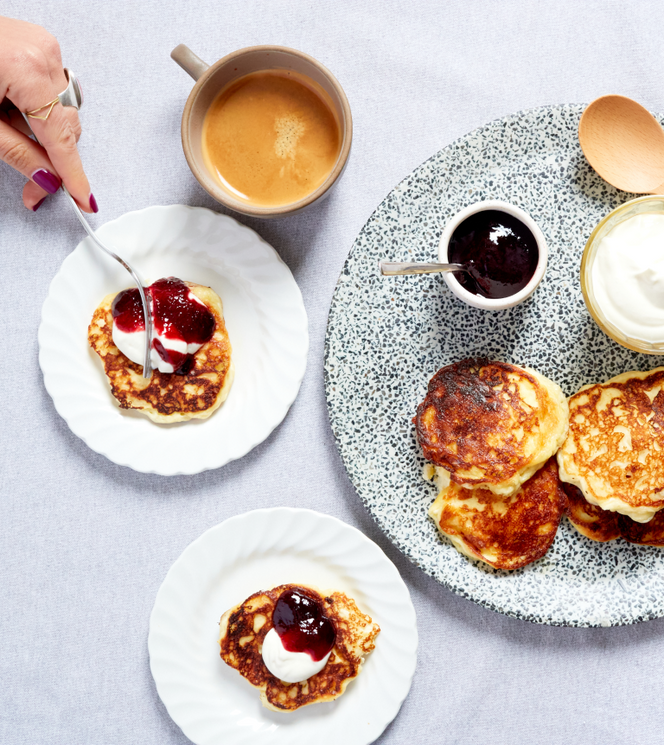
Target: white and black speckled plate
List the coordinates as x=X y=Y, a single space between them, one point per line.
x=387 y=336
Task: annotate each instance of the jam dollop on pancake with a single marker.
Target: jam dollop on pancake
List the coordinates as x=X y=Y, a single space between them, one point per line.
x=302 y=625
x=614 y=450
x=244 y=627
x=506 y=532
x=168 y=398
x=603 y=525
x=177 y=315
x=490 y=424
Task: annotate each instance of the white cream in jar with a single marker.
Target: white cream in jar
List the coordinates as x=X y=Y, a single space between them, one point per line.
x=628 y=277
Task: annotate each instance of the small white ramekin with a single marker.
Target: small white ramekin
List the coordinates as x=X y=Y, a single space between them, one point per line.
x=478 y=301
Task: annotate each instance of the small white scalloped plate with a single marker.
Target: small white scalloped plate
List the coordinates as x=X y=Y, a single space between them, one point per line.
x=265 y=318
x=210 y=701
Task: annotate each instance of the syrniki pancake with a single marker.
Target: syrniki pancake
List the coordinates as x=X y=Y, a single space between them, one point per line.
x=603 y=525
x=589 y=519
x=168 y=398
x=614 y=451
x=244 y=627
x=491 y=424
x=505 y=532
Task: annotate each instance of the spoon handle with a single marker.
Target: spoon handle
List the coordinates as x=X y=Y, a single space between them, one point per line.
x=391 y=268
x=147 y=311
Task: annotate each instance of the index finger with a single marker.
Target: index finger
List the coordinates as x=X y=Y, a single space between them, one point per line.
x=58 y=137
x=38 y=94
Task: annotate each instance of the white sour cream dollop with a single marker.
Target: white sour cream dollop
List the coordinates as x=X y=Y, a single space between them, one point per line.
x=291 y=667
x=132 y=344
x=628 y=277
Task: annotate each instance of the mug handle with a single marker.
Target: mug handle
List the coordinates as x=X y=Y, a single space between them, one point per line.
x=189 y=61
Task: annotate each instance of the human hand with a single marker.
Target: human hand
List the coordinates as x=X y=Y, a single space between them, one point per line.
x=31 y=75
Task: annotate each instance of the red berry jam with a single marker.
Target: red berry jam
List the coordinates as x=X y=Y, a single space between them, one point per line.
x=176 y=316
x=302 y=625
x=500 y=251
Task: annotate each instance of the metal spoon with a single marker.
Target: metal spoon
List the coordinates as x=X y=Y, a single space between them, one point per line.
x=392 y=268
x=147 y=311
x=624 y=143
x=72 y=96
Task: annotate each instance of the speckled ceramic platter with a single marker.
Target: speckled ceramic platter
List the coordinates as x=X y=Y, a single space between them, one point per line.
x=386 y=337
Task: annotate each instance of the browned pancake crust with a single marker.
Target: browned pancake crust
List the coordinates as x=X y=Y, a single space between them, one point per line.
x=473 y=417
x=590 y=520
x=505 y=532
x=614 y=448
x=165 y=397
x=603 y=525
x=645 y=534
x=247 y=625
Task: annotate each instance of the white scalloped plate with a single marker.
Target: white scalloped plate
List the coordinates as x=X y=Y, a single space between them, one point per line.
x=211 y=702
x=266 y=322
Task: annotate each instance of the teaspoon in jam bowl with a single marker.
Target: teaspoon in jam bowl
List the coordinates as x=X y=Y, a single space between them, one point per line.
x=492 y=256
x=393 y=268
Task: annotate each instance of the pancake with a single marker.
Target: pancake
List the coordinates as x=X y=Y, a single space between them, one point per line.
x=506 y=532
x=644 y=534
x=603 y=525
x=589 y=519
x=490 y=424
x=167 y=398
x=614 y=451
x=243 y=628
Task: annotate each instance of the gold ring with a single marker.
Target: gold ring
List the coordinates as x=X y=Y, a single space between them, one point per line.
x=49 y=106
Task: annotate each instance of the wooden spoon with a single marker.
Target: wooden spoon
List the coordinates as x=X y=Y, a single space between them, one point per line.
x=624 y=143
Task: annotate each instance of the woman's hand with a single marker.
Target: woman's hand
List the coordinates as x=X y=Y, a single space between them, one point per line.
x=31 y=75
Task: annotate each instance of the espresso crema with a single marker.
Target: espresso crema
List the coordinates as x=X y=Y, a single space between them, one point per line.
x=271 y=138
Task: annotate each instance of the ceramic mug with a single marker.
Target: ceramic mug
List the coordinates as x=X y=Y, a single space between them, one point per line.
x=211 y=79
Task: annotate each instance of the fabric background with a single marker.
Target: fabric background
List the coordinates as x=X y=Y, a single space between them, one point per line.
x=85 y=543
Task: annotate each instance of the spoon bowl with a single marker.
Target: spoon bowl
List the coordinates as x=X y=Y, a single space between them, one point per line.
x=624 y=143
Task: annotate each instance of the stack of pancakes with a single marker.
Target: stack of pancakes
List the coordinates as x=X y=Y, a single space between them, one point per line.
x=613 y=458
x=491 y=429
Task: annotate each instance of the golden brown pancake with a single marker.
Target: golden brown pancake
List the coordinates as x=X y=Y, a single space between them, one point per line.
x=168 y=398
x=243 y=628
x=589 y=519
x=490 y=424
x=603 y=525
x=614 y=450
x=645 y=534
x=506 y=532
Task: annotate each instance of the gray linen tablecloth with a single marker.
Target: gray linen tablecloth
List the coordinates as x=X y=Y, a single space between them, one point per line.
x=85 y=543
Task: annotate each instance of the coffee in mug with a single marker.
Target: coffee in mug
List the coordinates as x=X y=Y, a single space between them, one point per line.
x=266 y=130
x=271 y=137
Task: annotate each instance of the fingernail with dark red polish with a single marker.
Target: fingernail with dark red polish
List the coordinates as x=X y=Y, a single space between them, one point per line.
x=48 y=181
x=93 y=203
x=39 y=204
